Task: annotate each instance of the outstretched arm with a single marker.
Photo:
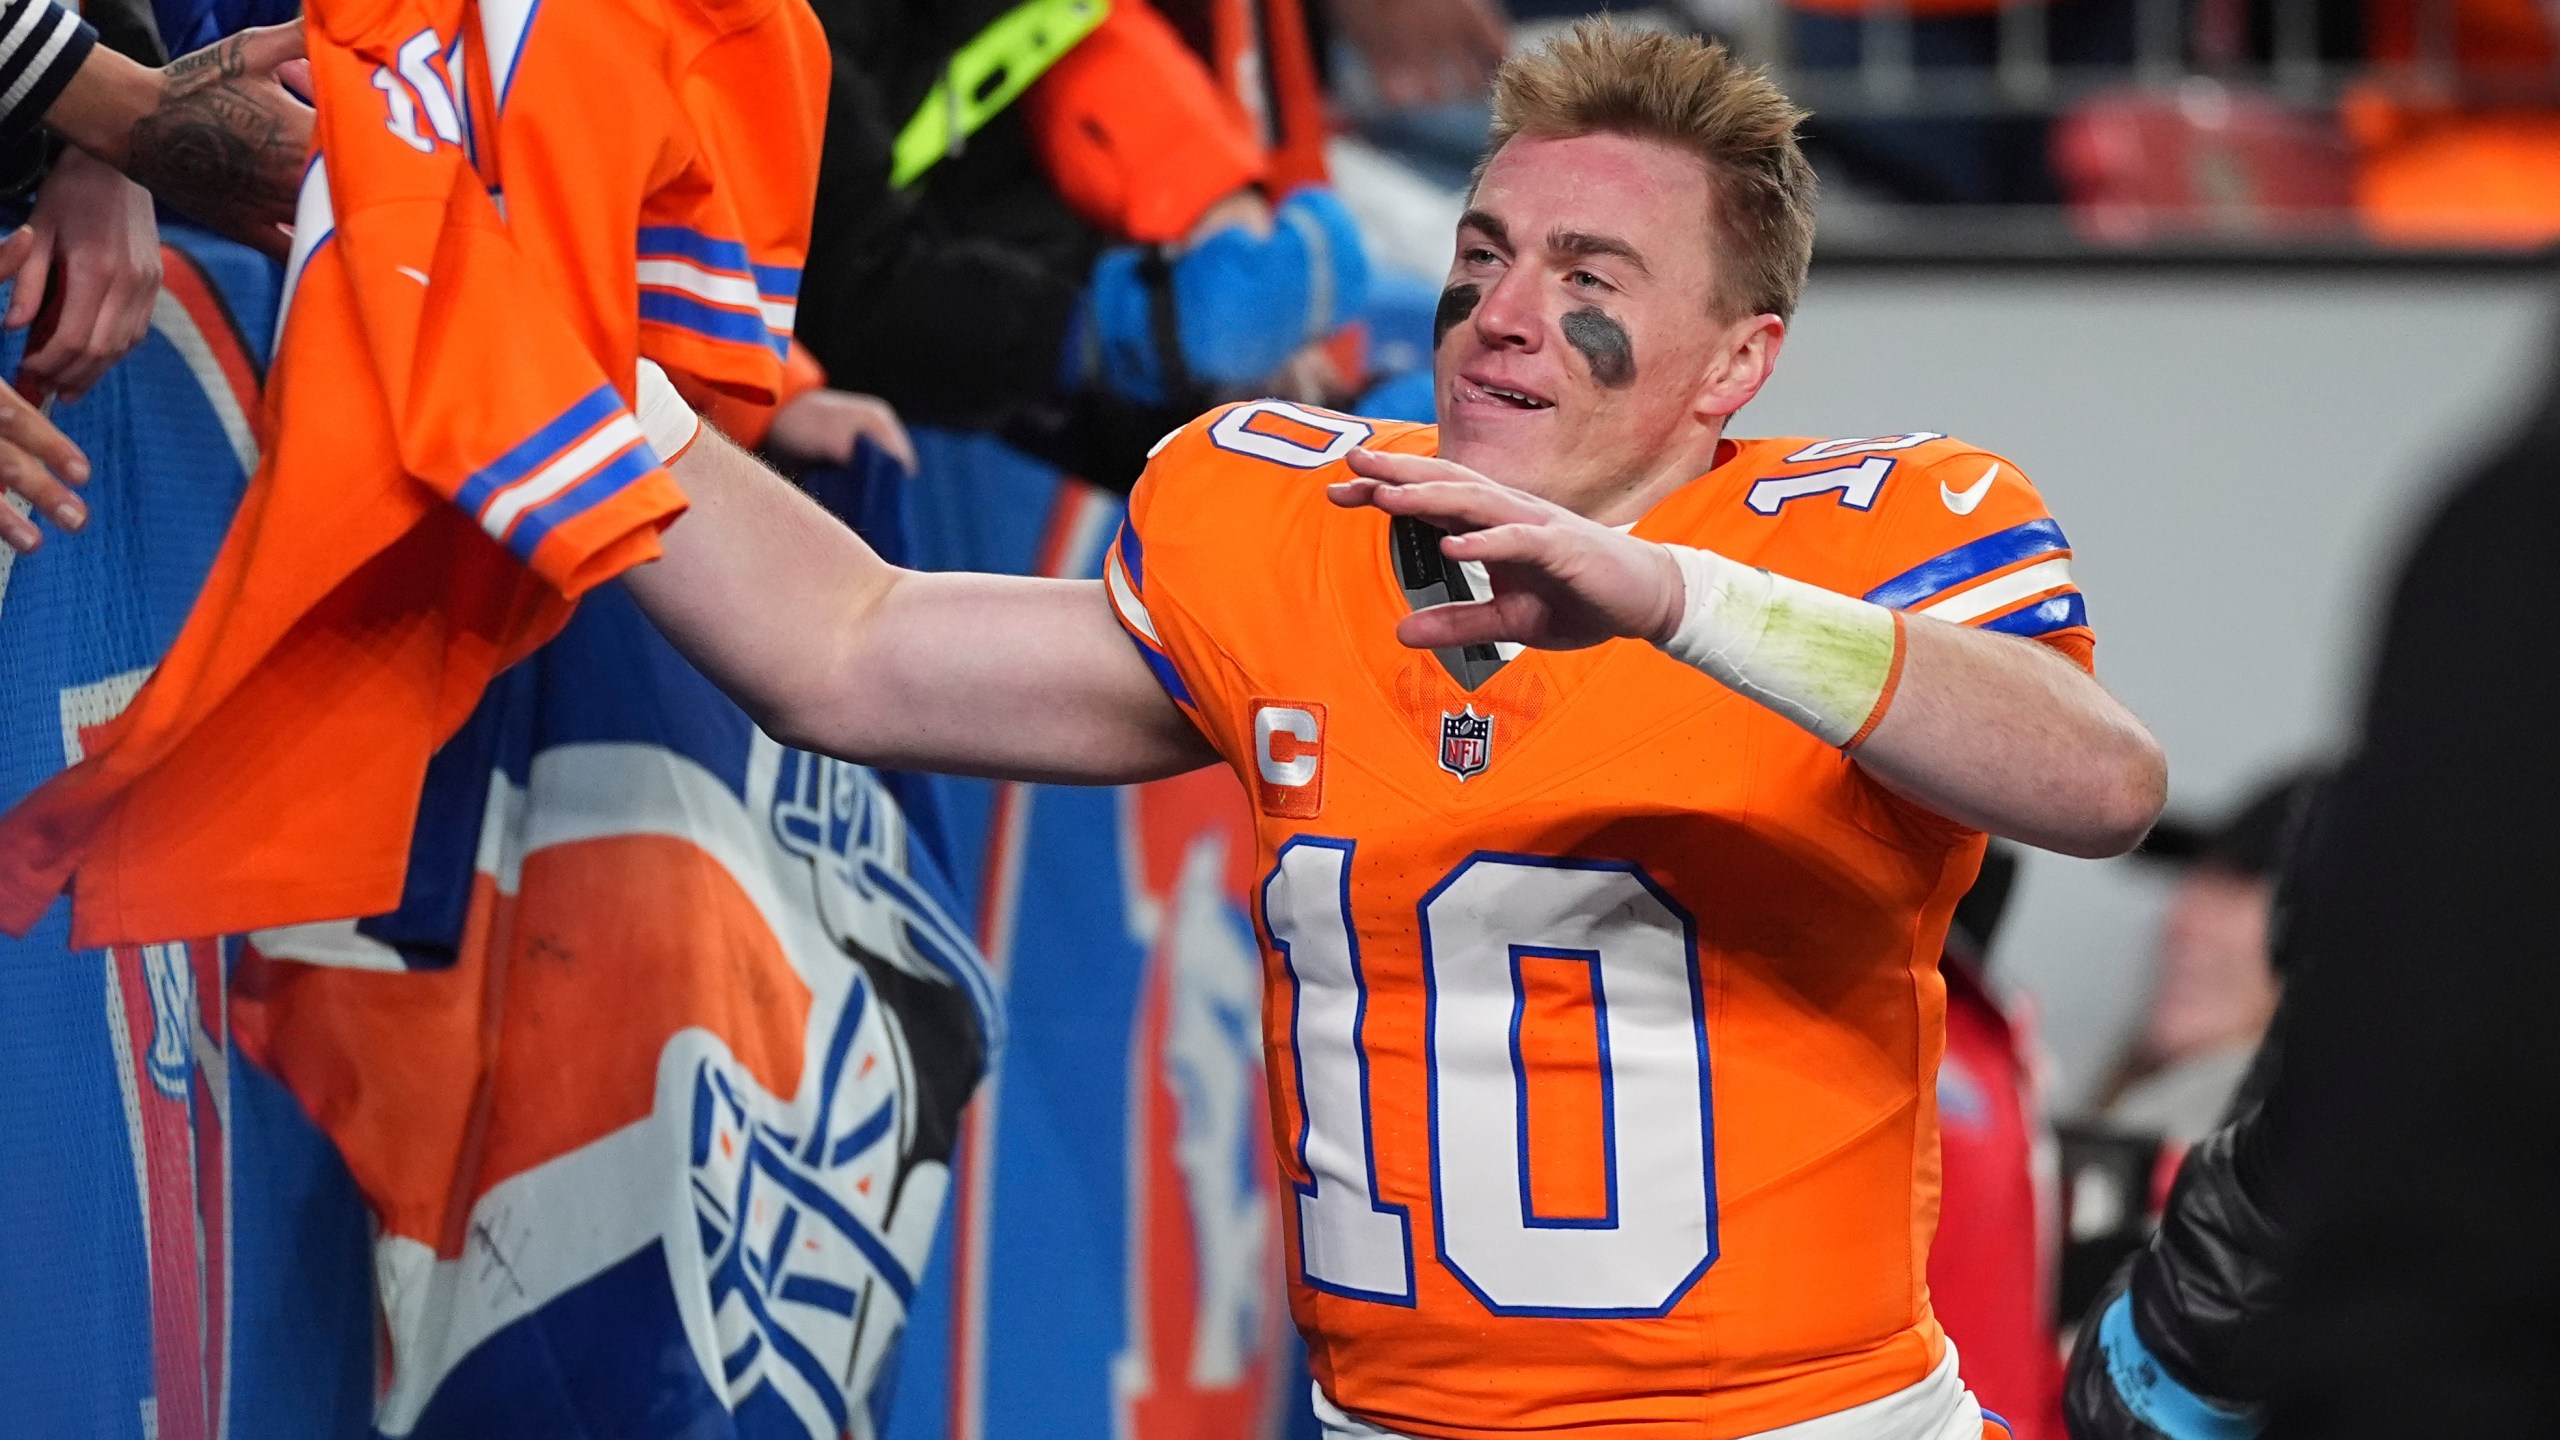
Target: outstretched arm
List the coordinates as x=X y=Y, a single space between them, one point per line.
x=832 y=648
x=1992 y=731
x=215 y=133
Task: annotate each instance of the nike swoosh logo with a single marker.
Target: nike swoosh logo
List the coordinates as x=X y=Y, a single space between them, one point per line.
x=1963 y=501
x=421 y=277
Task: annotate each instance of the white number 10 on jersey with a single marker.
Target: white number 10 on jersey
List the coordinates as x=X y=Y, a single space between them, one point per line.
x=1657 y=1233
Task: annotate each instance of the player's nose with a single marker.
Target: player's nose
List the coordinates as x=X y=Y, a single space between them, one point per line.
x=1510 y=317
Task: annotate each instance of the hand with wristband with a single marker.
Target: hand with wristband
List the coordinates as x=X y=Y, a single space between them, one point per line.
x=1825 y=661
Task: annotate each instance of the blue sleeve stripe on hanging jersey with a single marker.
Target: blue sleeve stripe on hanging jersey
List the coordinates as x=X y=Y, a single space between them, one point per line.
x=685 y=243
x=598 y=449
x=538 y=449
x=681 y=278
x=773 y=289
x=602 y=484
x=1968 y=562
x=778 y=282
x=711 y=322
x=2058 y=612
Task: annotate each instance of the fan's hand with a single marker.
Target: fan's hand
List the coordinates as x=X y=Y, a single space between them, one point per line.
x=38 y=463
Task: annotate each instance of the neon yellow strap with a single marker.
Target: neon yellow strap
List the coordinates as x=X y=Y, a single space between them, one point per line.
x=986 y=75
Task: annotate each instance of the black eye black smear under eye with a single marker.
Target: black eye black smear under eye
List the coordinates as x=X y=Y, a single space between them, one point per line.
x=1604 y=343
x=1456 y=304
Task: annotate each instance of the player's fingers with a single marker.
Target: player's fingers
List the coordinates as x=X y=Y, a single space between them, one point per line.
x=1457 y=504
x=1401 y=469
x=1351 y=494
x=1438 y=627
x=1504 y=544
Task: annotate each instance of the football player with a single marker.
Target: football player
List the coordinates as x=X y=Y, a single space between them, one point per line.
x=1614 y=776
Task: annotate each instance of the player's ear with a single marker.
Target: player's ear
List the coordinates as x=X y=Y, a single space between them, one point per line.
x=1746 y=355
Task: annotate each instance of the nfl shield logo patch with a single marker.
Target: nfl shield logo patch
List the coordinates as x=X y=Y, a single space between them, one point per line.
x=1466 y=742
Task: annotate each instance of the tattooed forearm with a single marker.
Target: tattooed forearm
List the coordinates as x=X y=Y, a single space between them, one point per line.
x=225 y=143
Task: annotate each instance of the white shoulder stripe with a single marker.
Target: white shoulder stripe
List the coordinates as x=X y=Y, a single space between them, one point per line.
x=1124 y=598
x=1999 y=594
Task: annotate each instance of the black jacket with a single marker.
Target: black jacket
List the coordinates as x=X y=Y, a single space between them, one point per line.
x=2372 y=1246
x=950 y=299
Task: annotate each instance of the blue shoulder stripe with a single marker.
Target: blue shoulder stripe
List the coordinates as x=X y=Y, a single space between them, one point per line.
x=1166 y=675
x=1981 y=557
x=2057 y=612
x=1132 y=557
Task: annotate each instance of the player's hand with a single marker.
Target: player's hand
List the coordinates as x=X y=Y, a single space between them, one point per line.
x=96 y=241
x=1560 y=582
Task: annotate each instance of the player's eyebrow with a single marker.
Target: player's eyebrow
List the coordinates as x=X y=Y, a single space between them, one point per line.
x=1583 y=243
x=1487 y=226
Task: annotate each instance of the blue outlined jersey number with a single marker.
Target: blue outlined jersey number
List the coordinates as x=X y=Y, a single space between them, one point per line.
x=1856 y=485
x=1298 y=436
x=1656 y=1234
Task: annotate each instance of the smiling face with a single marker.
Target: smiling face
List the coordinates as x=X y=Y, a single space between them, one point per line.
x=1583 y=353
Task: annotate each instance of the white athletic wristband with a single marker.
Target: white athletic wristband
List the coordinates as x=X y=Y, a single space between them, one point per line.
x=666 y=421
x=1821 y=659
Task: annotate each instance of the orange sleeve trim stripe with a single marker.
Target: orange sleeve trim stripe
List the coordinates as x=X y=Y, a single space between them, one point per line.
x=1892 y=683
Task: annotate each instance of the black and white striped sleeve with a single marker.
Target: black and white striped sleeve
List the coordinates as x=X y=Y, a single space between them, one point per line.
x=41 y=46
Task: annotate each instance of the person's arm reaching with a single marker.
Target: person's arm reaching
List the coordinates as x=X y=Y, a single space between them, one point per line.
x=1991 y=731
x=215 y=134
x=831 y=648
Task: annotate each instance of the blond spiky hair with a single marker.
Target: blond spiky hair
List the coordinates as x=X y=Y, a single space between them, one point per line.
x=1602 y=78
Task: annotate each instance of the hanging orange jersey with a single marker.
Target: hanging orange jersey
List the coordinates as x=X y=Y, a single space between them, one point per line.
x=511 y=202
x=1601 y=1004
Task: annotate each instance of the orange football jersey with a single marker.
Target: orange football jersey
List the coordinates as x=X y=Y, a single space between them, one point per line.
x=511 y=202
x=1602 y=1004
